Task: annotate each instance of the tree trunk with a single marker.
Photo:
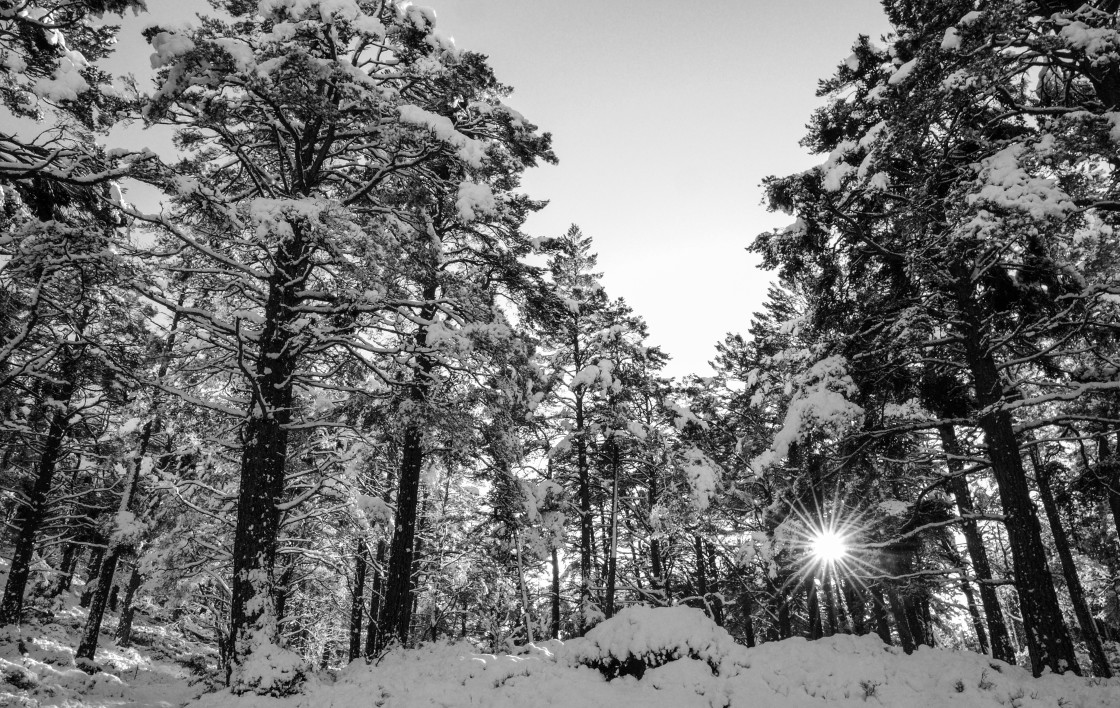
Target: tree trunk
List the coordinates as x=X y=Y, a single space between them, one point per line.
x=93 y=572
x=253 y=625
x=1109 y=477
x=88 y=646
x=396 y=613
x=375 y=600
x=357 y=603
x=612 y=554
x=857 y=608
x=659 y=583
x=555 y=628
x=829 y=603
x=927 y=622
x=1073 y=582
x=901 y=621
x=527 y=614
x=997 y=628
x=283 y=591
x=128 y=609
x=1048 y=641
x=879 y=615
x=746 y=611
x=974 y=612
x=785 y=617
x=813 y=609
x=716 y=598
x=845 y=617
x=101 y=596
x=66 y=569
x=701 y=573
x=586 y=532
x=914 y=620
x=30 y=516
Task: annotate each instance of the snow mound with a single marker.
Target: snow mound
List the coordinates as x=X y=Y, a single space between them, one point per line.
x=838 y=672
x=640 y=638
x=846 y=670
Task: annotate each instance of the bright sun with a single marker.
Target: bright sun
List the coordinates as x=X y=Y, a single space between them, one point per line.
x=828 y=547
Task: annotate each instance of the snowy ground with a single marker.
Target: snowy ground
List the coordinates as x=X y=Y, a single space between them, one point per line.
x=684 y=660
x=699 y=666
x=161 y=670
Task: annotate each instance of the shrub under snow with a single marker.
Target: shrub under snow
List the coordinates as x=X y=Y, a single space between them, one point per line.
x=640 y=638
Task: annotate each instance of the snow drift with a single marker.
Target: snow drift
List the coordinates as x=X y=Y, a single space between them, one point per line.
x=688 y=661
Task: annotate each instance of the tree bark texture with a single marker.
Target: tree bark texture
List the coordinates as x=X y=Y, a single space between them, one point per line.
x=357 y=604
x=1069 y=570
x=128 y=609
x=977 y=554
x=1048 y=642
x=396 y=612
x=31 y=514
x=253 y=625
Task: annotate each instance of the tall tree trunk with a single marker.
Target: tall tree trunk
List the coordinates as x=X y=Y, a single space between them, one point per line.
x=879 y=615
x=357 y=601
x=375 y=600
x=1109 y=477
x=128 y=609
x=526 y=614
x=1069 y=570
x=655 y=561
x=714 y=585
x=813 y=609
x=417 y=562
x=782 y=628
x=974 y=612
x=958 y=485
x=701 y=573
x=746 y=611
x=396 y=613
x=927 y=622
x=118 y=545
x=66 y=569
x=847 y=622
x=284 y=591
x=829 y=603
x=264 y=454
x=586 y=532
x=612 y=553
x=785 y=616
x=1048 y=641
x=88 y=646
x=914 y=620
x=555 y=627
x=857 y=608
x=901 y=621
x=31 y=514
x=93 y=571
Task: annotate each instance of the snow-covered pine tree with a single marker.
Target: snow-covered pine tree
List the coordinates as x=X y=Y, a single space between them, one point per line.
x=347 y=188
x=951 y=225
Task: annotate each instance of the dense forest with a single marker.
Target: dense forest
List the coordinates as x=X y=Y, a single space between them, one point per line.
x=332 y=398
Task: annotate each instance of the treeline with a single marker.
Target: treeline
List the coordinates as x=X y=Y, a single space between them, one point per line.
x=333 y=398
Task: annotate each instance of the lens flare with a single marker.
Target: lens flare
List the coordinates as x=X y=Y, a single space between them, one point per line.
x=829 y=541
x=828 y=547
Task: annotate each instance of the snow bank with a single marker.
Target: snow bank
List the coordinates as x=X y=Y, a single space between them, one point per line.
x=700 y=666
x=646 y=637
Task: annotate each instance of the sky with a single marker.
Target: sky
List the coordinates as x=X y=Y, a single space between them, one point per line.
x=666 y=116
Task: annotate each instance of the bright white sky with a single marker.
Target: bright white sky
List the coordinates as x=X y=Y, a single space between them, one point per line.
x=665 y=115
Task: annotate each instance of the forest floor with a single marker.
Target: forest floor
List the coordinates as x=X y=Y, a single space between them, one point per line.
x=691 y=663
x=162 y=668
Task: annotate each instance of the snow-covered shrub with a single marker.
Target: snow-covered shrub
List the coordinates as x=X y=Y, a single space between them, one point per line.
x=640 y=638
